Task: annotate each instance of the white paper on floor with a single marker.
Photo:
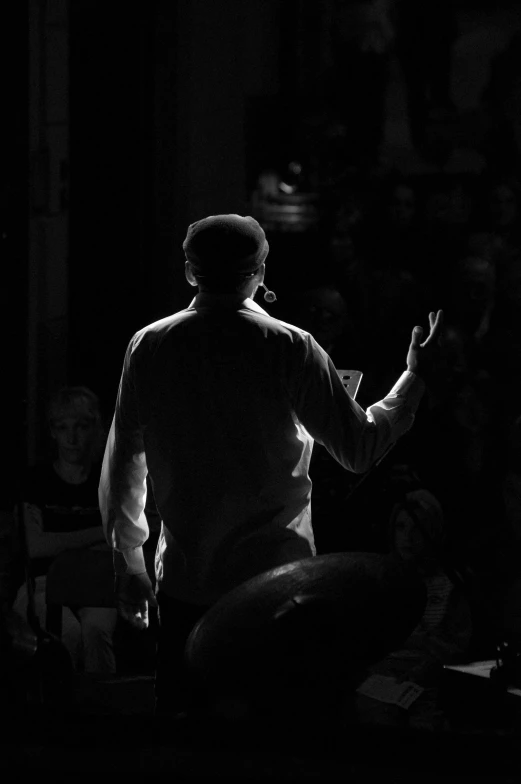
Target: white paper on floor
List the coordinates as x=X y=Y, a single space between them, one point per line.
x=387 y=689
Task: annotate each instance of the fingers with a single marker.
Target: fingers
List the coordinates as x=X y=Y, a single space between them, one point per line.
x=436 y=325
x=417 y=334
x=135 y=614
x=141 y=619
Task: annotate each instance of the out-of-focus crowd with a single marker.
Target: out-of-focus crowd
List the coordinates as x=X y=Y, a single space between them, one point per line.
x=398 y=249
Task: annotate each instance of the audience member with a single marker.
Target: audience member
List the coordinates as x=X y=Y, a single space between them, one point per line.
x=417 y=537
x=448 y=211
x=472 y=299
x=504 y=209
x=415 y=534
x=61 y=512
x=323 y=312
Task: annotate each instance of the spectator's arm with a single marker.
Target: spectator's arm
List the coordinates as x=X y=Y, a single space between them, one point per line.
x=123 y=487
x=47 y=544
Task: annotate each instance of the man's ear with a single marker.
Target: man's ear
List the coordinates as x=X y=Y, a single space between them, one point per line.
x=189 y=274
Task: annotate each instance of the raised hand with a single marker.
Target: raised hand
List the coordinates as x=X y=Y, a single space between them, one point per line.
x=423 y=357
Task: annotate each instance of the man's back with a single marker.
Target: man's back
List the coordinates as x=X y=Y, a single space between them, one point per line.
x=216 y=390
x=220 y=404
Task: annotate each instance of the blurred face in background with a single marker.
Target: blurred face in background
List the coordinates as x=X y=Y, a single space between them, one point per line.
x=323 y=313
x=409 y=541
x=503 y=205
x=451 y=207
x=75 y=433
x=402 y=208
x=475 y=284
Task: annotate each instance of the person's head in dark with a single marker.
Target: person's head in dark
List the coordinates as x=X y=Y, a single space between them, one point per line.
x=225 y=254
x=395 y=203
x=75 y=424
x=449 y=205
x=402 y=206
x=474 y=285
x=416 y=530
x=323 y=313
x=503 y=204
x=498 y=205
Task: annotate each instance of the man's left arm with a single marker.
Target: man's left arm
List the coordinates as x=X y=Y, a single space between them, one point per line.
x=122 y=499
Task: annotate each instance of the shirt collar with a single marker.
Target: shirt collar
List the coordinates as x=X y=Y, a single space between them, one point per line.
x=207 y=300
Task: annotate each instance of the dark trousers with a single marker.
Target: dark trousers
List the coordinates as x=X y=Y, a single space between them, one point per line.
x=176 y=621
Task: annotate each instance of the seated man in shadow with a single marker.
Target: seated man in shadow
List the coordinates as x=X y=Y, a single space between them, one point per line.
x=61 y=513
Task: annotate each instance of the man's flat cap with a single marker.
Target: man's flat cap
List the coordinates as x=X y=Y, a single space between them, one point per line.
x=225 y=245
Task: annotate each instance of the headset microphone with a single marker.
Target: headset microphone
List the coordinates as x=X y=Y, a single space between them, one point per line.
x=269 y=296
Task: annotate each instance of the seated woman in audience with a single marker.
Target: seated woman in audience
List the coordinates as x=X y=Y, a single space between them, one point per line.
x=61 y=513
x=416 y=537
x=444 y=632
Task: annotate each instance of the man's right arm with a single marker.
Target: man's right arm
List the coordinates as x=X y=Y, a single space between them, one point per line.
x=47 y=544
x=354 y=437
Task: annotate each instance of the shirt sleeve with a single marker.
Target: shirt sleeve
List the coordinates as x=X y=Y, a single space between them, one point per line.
x=123 y=488
x=354 y=437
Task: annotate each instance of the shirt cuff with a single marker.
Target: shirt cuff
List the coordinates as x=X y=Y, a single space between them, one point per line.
x=129 y=561
x=409 y=385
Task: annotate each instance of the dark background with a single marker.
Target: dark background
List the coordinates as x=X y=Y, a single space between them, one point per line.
x=168 y=112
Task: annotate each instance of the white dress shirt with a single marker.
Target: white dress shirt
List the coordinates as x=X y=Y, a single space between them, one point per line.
x=222 y=403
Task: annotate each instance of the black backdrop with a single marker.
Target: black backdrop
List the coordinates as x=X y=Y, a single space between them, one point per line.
x=119 y=264
x=14 y=245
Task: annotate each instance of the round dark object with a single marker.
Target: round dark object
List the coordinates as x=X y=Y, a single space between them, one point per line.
x=310 y=624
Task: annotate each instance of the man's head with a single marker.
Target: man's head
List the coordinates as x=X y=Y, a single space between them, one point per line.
x=226 y=254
